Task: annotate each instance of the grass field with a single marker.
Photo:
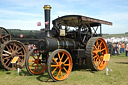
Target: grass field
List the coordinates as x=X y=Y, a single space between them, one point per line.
x=79 y=76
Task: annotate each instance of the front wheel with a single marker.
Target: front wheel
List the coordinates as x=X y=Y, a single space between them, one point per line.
x=35 y=64
x=59 y=64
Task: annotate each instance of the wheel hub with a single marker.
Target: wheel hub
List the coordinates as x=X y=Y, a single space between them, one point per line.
x=37 y=61
x=14 y=53
x=62 y=65
x=99 y=53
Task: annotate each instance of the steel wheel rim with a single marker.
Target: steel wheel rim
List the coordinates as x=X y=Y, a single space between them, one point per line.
x=99 y=49
x=34 y=64
x=10 y=50
x=60 y=69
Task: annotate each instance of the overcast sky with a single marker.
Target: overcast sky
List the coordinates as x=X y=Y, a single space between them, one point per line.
x=24 y=14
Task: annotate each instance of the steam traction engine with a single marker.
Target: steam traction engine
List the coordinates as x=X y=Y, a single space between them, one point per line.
x=11 y=50
x=73 y=39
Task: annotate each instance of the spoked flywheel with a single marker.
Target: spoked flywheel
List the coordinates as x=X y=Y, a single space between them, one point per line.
x=4 y=35
x=35 y=62
x=84 y=34
x=59 y=64
x=95 y=50
x=12 y=51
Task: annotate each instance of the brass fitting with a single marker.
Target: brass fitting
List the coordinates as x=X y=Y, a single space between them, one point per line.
x=47 y=7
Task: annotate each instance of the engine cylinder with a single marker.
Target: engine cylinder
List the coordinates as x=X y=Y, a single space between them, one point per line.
x=48 y=44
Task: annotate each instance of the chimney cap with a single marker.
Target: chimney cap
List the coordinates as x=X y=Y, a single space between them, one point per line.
x=47 y=7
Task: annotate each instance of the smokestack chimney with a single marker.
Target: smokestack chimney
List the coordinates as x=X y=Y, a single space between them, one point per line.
x=47 y=18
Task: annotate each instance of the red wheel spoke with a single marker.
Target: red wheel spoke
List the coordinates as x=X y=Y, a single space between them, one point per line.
x=6 y=58
x=41 y=65
x=19 y=49
x=62 y=57
x=35 y=68
x=101 y=43
x=30 y=61
x=13 y=46
x=97 y=43
x=54 y=60
x=61 y=74
x=32 y=65
x=6 y=61
x=66 y=60
x=10 y=47
x=58 y=73
x=16 y=47
x=95 y=61
x=101 y=64
x=20 y=52
x=95 y=51
x=59 y=55
x=65 y=69
x=54 y=65
x=54 y=70
x=95 y=57
x=103 y=49
x=33 y=57
x=9 y=63
x=95 y=47
x=5 y=36
x=7 y=48
x=66 y=64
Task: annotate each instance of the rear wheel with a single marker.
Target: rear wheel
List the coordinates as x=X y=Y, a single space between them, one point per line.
x=35 y=62
x=95 y=50
x=59 y=64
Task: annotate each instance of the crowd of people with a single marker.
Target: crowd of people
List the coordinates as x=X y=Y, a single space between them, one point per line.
x=116 y=46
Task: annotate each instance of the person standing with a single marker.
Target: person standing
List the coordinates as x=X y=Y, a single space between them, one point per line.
x=126 y=49
x=109 y=44
x=123 y=47
x=118 y=48
x=114 y=48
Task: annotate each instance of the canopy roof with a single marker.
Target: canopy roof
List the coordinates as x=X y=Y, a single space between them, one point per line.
x=77 y=20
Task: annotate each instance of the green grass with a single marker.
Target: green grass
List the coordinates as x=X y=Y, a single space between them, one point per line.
x=80 y=76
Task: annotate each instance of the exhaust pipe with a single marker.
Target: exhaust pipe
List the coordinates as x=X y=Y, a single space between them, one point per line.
x=47 y=19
